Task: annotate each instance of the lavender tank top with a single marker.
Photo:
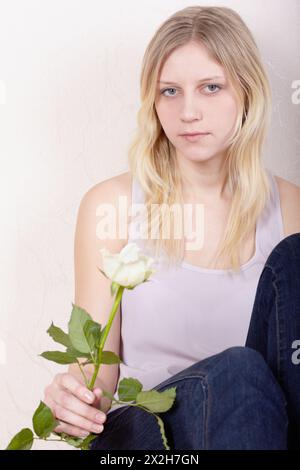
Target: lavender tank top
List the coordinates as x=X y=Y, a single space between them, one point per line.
x=176 y=319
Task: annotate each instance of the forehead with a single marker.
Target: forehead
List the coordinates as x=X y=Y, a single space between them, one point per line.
x=192 y=60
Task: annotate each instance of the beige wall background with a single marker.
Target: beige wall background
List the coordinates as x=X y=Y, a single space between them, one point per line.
x=69 y=94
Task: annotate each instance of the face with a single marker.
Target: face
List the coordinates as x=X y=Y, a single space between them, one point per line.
x=193 y=101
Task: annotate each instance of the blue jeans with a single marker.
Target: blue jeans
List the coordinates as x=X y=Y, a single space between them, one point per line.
x=245 y=397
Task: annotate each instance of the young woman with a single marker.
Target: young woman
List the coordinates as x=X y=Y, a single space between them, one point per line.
x=221 y=323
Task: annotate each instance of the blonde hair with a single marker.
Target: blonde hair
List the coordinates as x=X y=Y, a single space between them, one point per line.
x=151 y=155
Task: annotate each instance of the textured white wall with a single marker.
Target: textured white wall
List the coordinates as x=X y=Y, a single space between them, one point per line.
x=69 y=93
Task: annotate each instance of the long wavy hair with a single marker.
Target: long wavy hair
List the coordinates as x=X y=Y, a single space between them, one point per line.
x=151 y=155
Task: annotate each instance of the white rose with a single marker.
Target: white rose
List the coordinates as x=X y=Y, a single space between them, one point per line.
x=128 y=268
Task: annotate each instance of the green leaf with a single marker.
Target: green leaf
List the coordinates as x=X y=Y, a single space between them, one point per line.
x=109 y=357
x=128 y=389
x=73 y=441
x=59 y=335
x=44 y=421
x=59 y=357
x=78 y=442
x=21 y=441
x=76 y=329
x=73 y=352
x=92 y=333
x=87 y=440
x=157 y=401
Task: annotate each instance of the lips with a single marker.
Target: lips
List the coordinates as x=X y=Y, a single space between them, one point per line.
x=194 y=138
x=193 y=133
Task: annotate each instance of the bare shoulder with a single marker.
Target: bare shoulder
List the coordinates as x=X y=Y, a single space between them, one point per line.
x=289 y=194
x=102 y=200
x=119 y=185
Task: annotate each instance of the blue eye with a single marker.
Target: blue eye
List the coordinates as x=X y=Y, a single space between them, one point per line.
x=213 y=84
x=210 y=85
x=166 y=89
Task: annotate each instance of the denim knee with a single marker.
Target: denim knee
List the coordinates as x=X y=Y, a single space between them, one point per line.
x=287 y=250
x=241 y=358
x=248 y=363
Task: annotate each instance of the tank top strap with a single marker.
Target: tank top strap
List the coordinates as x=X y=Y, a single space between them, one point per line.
x=271 y=230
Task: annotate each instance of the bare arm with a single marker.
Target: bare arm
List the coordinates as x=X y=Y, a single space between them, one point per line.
x=92 y=289
x=66 y=394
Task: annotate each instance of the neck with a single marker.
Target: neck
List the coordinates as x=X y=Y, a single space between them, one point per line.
x=204 y=181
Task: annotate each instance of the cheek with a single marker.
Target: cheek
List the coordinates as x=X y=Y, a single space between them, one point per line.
x=163 y=109
x=228 y=107
x=166 y=116
x=224 y=115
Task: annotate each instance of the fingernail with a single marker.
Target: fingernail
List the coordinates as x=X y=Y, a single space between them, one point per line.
x=97 y=428
x=99 y=417
x=89 y=396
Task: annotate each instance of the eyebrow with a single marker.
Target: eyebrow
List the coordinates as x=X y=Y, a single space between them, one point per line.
x=199 y=81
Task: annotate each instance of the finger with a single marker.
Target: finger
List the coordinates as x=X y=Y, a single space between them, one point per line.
x=99 y=394
x=62 y=426
x=69 y=382
x=72 y=403
x=69 y=417
x=71 y=430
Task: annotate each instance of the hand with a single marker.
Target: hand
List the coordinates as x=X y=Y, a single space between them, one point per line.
x=77 y=414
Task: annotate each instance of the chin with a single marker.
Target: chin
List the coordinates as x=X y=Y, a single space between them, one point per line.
x=198 y=157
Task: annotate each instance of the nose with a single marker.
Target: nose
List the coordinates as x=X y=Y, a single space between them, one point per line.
x=191 y=108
